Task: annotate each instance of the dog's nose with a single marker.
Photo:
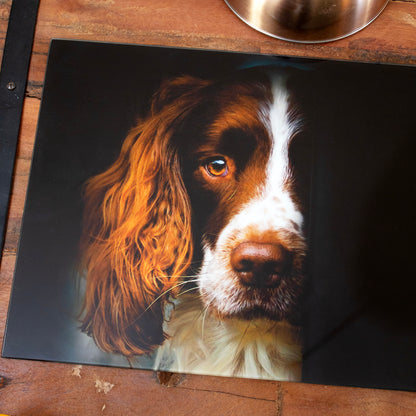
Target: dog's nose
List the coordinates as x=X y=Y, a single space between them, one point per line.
x=260 y=264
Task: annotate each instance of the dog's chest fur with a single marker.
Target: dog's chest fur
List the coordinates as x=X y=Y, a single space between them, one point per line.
x=199 y=343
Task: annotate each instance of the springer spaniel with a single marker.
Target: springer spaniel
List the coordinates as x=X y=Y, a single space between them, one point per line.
x=193 y=241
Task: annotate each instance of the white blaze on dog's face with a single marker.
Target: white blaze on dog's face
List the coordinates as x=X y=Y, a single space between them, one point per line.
x=253 y=246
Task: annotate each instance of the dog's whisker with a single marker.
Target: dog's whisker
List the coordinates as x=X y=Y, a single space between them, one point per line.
x=183 y=276
x=204 y=315
x=187 y=291
x=243 y=335
x=162 y=295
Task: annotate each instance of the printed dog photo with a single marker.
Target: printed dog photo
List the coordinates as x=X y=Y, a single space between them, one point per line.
x=222 y=214
x=193 y=242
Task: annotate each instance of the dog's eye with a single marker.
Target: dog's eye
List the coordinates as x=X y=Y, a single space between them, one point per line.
x=217 y=166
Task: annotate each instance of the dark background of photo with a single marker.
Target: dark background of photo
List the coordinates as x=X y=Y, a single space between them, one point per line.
x=354 y=162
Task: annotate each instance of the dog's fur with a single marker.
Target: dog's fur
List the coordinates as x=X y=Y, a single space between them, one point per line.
x=193 y=243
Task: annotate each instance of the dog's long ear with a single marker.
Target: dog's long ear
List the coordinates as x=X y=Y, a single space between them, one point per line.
x=137 y=239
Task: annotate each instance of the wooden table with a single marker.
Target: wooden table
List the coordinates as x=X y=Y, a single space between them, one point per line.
x=42 y=388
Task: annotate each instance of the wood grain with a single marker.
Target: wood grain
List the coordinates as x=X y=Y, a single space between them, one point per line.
x=40 y=388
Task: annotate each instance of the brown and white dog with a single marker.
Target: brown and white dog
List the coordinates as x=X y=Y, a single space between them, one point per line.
x=193 y=240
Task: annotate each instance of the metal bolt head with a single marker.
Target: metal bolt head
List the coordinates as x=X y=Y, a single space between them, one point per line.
x=11 y=86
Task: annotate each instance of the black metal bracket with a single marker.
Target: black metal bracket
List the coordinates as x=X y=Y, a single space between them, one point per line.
x=13 y=79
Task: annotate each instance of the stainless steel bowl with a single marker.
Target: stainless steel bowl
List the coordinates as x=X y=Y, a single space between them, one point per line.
x=307 y=21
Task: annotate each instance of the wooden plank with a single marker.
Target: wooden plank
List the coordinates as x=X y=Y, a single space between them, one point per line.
x=210 y=24
x=5 y=6
x=37 y=388
x=33 y=388
x=315 y=400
